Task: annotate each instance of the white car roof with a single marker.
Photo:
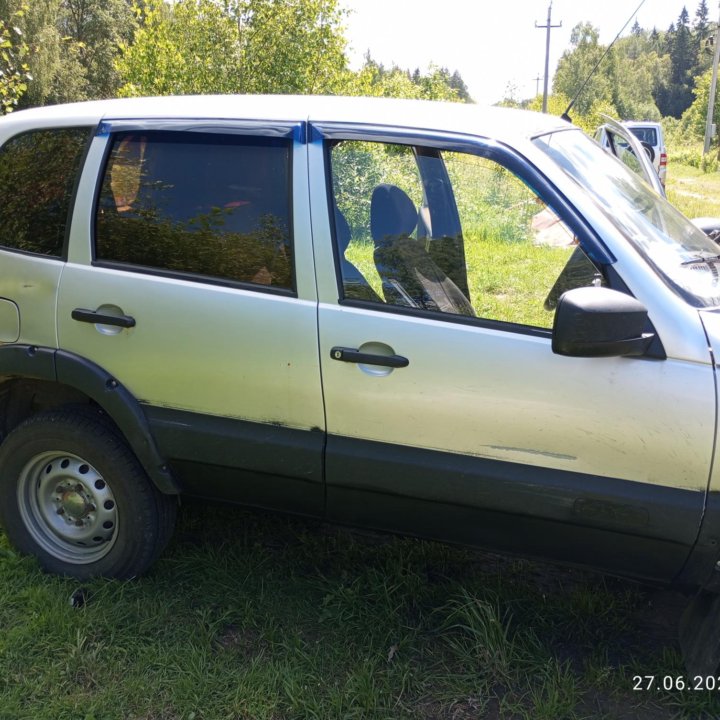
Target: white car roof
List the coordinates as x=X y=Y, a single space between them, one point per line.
x=498 y=123
x=641 y=123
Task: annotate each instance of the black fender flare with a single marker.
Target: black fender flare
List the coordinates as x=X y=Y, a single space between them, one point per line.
x=75 y=371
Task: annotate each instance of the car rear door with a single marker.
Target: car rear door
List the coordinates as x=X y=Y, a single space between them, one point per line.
x=190 y=280
x=466 y=426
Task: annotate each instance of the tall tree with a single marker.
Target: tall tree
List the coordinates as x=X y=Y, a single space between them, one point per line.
x=573 y=76
x=291 y=46
x=14 y=70
x=702 y=40
x=73 y=44
x=676 y=96
x=190 y=47
x=458 y=84
x=250 y=46
x=98 y=27
x=702 y=19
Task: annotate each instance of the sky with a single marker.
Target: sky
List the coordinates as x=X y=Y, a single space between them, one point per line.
x=494 y=44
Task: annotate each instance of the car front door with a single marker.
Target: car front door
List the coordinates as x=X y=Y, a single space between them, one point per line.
x=448 y=414
x=190 y=280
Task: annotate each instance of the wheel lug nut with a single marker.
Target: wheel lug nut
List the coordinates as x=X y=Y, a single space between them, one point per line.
x=61 y=511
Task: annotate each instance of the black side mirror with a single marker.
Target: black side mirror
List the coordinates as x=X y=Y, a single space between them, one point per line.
x=599 y=322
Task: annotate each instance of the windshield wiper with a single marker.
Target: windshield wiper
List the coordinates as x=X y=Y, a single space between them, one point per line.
x=708 y=259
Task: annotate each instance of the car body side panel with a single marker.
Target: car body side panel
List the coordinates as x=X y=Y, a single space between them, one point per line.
x=246 y=462
x=620 y=526
x=31 y=282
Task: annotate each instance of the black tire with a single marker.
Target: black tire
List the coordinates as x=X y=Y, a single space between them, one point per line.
x=74 y=495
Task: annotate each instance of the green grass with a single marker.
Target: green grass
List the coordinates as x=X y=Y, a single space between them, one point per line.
x=694 y=193
x=494 y=268
x=256 y=617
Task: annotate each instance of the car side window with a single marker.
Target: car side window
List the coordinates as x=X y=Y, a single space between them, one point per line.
x=470 y=238
x=211 y=206
x=624 y=152
x=38 y=172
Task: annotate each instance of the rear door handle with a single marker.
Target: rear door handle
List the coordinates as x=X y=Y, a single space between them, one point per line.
x=352 y=355
x=98 y=318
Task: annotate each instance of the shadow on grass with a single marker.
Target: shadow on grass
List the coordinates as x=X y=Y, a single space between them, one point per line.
x=249 y=615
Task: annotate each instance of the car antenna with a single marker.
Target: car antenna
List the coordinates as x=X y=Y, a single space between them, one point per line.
x=566 y=114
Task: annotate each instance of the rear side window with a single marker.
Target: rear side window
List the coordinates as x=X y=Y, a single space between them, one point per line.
x=38 y=172
x=210 y=205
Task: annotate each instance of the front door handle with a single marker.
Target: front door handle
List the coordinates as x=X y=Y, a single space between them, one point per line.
x=352 y=355
x=99 y=318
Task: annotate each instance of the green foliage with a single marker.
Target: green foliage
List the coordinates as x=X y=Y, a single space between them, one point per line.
x=692 y=123
x=589 y=121
x=72 y=44
x=187 y=48
x=692 y=156
x=291 y=46
x=646 y=75
x=692 y=191
x=675 y=96
x=575 y=66
x=84 y=49
x=14 y=69
x=245 y=46
x=375 y=80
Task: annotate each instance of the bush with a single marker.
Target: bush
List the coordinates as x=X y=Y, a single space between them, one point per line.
x=693 y=156
x=709 y=162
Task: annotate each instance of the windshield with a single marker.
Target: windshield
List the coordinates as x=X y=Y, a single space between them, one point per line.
x=683 y=255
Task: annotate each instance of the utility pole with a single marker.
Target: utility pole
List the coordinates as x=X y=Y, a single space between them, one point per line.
x=711 y=98
x=537 y=80
x=547 y=27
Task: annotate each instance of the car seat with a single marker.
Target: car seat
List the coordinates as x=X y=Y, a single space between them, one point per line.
x=409 y=274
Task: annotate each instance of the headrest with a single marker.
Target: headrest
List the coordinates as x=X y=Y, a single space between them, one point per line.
x=392 y=213
x=342 y=231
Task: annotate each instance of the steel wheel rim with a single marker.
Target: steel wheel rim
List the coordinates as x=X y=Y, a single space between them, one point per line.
x=67 y=507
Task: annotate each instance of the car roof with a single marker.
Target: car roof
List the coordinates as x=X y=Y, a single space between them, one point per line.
x=641 y=123
x=498 y=123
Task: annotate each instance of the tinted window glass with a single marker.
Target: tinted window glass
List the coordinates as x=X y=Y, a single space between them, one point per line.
x=204 y=203
x=38 y=170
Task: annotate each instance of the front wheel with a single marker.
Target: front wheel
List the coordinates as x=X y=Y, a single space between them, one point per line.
x=74 y=495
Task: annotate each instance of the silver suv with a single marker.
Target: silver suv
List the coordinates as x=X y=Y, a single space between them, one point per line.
x=465 y=324
x=650 y=134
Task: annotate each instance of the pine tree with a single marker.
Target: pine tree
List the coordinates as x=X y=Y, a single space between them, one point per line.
x=458 y=84
x=675 y=96
x=702 y=15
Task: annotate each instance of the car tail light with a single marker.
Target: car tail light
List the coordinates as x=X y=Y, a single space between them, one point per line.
x=663 y=159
